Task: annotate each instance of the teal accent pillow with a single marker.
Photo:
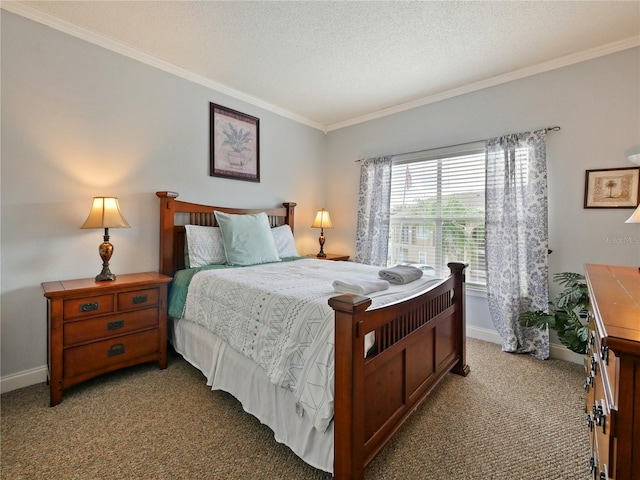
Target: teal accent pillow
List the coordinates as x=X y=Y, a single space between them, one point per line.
x=247 y=239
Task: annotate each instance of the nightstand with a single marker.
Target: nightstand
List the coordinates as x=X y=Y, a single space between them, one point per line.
x=331 y=256
x=97 y=327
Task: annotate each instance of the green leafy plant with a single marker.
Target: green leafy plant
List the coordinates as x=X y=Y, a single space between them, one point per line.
x=566 y=314
x=461 y=234
x=236 y=138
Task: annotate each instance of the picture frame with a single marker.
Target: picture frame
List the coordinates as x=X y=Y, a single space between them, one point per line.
x=612 y=188
x=235 y=144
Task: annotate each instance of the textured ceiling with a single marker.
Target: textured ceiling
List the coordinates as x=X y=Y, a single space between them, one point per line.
x=336 y=63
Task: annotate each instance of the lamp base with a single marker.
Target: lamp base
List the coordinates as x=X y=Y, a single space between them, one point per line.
x=105 y=249
x=105 y=274
x=321 y=240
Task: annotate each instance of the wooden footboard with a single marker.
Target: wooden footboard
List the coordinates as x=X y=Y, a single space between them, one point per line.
x=418 y=342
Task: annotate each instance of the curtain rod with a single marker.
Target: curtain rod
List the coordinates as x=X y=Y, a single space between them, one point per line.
x=555 y=128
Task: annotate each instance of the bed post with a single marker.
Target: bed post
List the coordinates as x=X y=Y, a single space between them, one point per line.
x=290 y=206
x=166 y=231
x=457 y=270
x=349 y=411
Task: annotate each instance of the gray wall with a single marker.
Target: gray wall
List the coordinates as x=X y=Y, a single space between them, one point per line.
x=597 y=105
x=80 y=121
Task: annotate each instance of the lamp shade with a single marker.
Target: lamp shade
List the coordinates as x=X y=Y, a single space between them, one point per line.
x=635 y=216
x=323 y=220
x=105 y=213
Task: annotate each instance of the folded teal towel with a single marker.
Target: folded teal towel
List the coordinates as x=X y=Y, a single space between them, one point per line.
x=400 y=274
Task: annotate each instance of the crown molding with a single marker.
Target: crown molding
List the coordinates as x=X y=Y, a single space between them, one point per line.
x=497 y=80
x=118 y=47
x=130 y=52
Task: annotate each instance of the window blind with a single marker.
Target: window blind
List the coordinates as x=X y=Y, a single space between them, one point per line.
x=437 y=210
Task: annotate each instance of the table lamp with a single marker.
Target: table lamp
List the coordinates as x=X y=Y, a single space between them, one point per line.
x=105 y=213
x=322 y=221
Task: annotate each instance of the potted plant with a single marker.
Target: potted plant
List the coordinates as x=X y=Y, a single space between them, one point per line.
x=236 y=139
x=567 y=313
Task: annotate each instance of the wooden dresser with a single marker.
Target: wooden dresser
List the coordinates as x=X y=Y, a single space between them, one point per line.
x=98 y=327
x=613 y=371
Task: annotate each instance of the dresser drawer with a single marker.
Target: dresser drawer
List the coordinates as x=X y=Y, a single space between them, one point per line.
x=103 y=355
x=137 y=299
x=82 y=331
x=87 y=306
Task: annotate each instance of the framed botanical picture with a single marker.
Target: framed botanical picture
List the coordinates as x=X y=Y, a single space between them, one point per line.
x=235 y=144
x=612 y=188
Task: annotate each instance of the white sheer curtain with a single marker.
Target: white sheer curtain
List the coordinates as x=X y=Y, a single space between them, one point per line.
x=517 y=238
x=372 y=235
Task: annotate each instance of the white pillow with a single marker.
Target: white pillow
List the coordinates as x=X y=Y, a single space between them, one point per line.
x=247 y=238
x=285 y=244
x=204 y=246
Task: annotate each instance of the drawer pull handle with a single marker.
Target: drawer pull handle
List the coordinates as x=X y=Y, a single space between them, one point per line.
x=604 y=354
x=115 y=325
x=114 y=350
x=599 y=417
x=89 y=307
x=604 y=474
x=139 y=299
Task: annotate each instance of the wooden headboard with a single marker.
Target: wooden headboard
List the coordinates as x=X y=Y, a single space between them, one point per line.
x=175 y=214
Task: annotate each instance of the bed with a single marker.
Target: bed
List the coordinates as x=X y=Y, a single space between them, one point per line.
x=387 y=357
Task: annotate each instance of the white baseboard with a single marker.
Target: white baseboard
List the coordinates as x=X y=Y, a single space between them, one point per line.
x=563 y=353
x=555 y=350
x=23 y=379
x=484 y=334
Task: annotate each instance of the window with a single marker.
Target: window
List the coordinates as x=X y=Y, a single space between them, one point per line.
x=422 y=232
x=404 y=236
x=437 y=210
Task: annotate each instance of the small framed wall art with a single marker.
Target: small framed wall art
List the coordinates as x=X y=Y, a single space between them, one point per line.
x=235 y=144
x=612 y=188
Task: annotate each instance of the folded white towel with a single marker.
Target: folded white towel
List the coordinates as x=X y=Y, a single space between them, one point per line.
x=360 y=285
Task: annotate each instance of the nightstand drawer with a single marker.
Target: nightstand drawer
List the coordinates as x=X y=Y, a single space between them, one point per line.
x=103 y=327
x=88 y=306
x=103 y=355
x=137 y=299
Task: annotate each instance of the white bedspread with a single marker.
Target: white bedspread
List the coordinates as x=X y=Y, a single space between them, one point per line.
x=277 y=314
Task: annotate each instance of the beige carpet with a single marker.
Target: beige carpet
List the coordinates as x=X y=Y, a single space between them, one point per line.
x=512 y=418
